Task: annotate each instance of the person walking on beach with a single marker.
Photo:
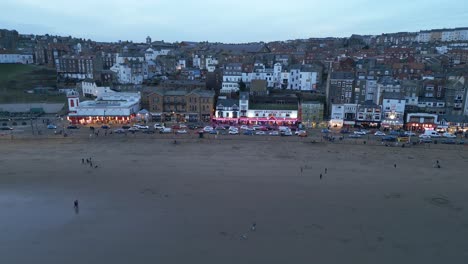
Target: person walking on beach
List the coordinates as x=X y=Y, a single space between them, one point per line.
x=75 y=206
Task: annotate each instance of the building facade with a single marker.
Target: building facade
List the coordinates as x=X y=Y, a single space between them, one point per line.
x=181 y=105
x=111 y=108
x=311 y=113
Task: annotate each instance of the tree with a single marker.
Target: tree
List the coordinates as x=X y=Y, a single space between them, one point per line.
x=242 y=86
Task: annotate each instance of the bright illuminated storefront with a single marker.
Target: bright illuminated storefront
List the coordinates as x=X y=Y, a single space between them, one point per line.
x=118 y=108
x=264 y=117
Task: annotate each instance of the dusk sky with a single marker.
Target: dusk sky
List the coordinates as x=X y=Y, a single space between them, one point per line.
x=227 y=21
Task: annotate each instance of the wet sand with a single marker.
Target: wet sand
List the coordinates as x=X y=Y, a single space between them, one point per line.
x=154 y=202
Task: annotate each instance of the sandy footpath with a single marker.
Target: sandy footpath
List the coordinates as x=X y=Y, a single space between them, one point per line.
x=150 y=201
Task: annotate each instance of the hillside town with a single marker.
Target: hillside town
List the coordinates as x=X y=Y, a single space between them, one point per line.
x=411 y=81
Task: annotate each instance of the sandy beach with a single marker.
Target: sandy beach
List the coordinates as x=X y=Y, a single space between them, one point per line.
x=150 y=201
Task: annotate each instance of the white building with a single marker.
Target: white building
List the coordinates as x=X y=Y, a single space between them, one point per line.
x=337 y=115
x=243 y=103
x=232 y=75
x=393 y=110
x=16 y=58
x=259 y=73
x=196 y=62
x=91 y=89
x=423 y=36
x=227 y=108
x=302 y=78
x=210 y=64
x=110 y=107
x=128 y=75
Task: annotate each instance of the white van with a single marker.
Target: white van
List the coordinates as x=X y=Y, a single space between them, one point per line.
x=431 y=133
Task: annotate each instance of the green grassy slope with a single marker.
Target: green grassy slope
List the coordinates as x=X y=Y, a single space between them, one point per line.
x=15 y=79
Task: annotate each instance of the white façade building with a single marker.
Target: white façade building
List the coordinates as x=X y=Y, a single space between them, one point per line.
x=112 y=107
x=302 y=78
x=211 y=61
x=232 y=75
x=260 y=72
x=337 y=115
x=227 y=108
x=90 y=89
x=130 y=73
x=16 y=58
x=393 y=110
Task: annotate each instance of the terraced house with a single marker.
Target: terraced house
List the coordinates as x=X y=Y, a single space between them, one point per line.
x=181 y=105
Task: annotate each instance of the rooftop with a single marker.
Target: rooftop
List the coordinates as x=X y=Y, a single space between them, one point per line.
x=273 y=107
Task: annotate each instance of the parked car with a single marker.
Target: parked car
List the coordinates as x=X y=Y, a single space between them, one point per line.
x=256 y=127
x=51 y=126
x=448 y=135
x=450 y=141
x=390 y=138
x=105 y=127
x=362 y=133
x=260 y=133
x=379 y=134
x=355 y=135
x=274 y=133
x=297 y=132
x=158 y=126
x=165 y=130
x=425 y=140
x=287 y=133
x=207 y=129
x=126 y=127
x=248 y=132
x=302 y=133
x=325 y=131
x=182 y=126
x=264 y=128
x=424 y=136
x=72 y=127
x=213 y=132
x=244 y=127
x=120 y=131
x=6 y=128
x=409 y=133
x=133 y=129
x=233 y=132
x=141 y=126
x=181 y=131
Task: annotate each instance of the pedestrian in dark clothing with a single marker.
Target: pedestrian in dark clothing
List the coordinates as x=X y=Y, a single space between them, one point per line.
x=320 y=175
x=82 y=161
x=301 y=170
x=437 y=161
x=90 y=164
x=394 y=165
x=254 y=226
x=75 y=204
x=87 y=160
x=326 y=170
